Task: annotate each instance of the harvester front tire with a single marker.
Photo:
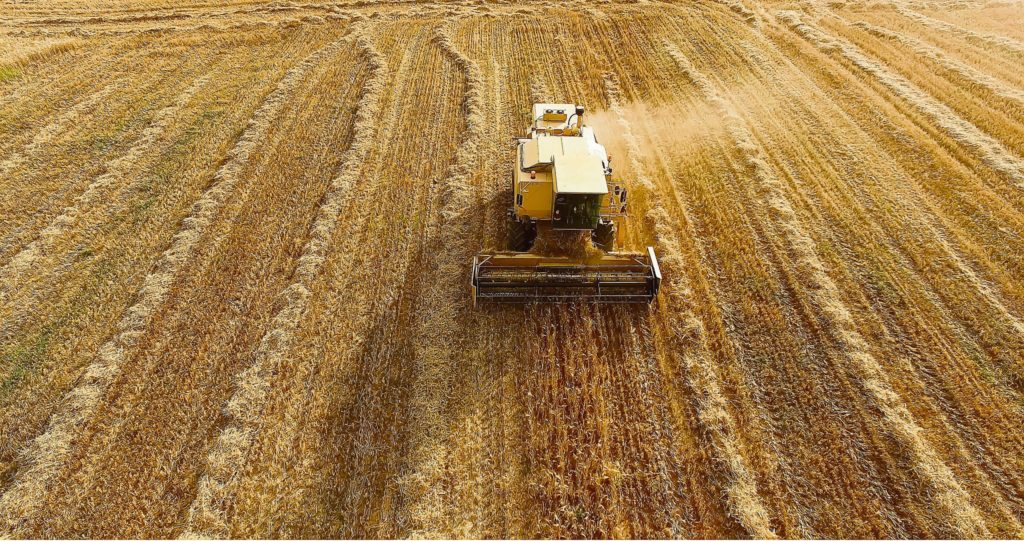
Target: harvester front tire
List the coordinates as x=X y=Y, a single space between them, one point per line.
x=604 y=236
x=521 y=235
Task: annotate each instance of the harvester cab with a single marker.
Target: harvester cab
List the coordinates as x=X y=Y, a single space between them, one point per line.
x=562 y=182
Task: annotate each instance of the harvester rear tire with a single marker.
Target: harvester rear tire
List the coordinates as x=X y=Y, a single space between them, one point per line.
x=521 y=235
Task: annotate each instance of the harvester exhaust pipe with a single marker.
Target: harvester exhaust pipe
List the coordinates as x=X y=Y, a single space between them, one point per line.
x=579 y=117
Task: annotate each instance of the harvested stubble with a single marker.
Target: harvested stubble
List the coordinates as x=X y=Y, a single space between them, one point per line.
x=234 y=243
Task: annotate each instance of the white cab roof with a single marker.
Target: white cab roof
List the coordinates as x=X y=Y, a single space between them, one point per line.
x=579 y=172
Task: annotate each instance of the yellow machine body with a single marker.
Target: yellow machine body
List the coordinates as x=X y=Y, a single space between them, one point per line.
x=562 y=177
x=562 y=157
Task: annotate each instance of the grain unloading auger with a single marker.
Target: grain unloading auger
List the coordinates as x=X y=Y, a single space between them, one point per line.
x=562 y=182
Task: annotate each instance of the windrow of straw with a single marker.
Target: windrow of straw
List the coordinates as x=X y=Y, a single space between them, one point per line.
x=949 y=493
x=993 y=152
x=742 y=492
x=207 y=516
x=44 y=459
x=437 y=332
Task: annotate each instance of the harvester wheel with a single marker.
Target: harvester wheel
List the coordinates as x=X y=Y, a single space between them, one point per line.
x=521 y=235
x=604 y=235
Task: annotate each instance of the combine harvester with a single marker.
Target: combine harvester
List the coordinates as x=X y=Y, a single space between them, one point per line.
x=562 y=183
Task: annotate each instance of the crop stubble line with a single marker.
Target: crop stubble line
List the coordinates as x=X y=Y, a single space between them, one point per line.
x=20 y=277
x=438 y=334
x=298 y=146
x=991 y=151
x=514 y=82
x=232 y=445
x=138 y=240
x=79 y=151
x=950 y=494
x=776 y=463
x=940 y=57
x=70 y=90
x=78 y=24
x=48 y=132
x=478 y=429
x=741 y=9
x=14 y=272
x=375 y=307
x=935 y=231
x=539 y=91
x=905 y=363
x=985 y=290
x=224 y=259
x=1006 y=43
x=46 y=455
x=742 y=493
x=48 y=81
x=356 y=227
x=304 y=21
x=656 y=412
x=669 y=240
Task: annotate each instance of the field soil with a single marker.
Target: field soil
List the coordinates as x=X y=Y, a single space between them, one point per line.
x=235 y=247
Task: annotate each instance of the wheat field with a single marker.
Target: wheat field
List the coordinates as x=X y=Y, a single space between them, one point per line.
x=235 y=243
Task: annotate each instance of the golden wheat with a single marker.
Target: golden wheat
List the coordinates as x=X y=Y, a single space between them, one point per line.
x=235 y=243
